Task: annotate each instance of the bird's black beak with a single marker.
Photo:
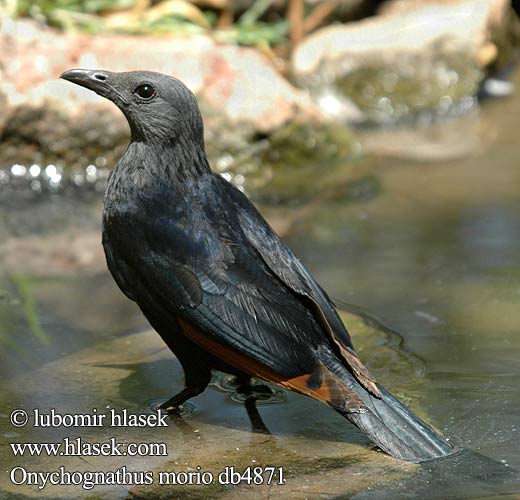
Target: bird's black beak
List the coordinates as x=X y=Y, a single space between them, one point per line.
x=98 y=81
x=91 y=79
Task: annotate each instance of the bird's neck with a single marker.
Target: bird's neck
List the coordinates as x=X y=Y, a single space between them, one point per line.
x=174 y=161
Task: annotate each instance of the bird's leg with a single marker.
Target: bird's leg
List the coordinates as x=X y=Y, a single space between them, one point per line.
x=196 y=382
x=254 y=416
x=244 y=386
x=175 y=401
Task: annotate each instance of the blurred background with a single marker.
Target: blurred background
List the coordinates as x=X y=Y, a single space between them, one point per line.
x=379 y=138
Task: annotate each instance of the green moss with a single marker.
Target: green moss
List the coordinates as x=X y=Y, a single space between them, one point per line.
x=48 y=135
x=390 y=91
x=303 y=159
x=299 y=144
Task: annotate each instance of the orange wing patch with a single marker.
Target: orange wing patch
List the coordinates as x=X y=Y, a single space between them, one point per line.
x=322 y=385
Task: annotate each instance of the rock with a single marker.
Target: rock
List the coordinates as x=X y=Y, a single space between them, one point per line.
x=248 y=88
x=4 y=108
x=406 y=26
x=415 y=57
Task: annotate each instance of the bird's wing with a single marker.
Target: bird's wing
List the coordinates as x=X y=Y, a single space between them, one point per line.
x=229 y=302
x=118 y=269
x=286 y=266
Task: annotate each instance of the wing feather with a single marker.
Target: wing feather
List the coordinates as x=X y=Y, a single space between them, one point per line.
x=282 y=262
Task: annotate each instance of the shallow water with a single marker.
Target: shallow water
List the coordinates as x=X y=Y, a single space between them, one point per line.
x=436 y=254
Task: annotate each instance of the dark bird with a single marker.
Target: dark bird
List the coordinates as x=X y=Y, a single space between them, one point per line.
x=213 y=278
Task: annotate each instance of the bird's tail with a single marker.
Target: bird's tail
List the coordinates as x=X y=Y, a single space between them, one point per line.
x=385 y=420
x=396 y=430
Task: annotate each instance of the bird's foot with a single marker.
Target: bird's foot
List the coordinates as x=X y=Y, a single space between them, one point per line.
x=169 y=408
x=177 y=404
x=186 y=409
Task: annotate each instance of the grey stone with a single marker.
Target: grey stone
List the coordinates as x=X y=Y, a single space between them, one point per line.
x=415 y=57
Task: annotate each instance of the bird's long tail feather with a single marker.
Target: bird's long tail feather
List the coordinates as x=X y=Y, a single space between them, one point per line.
x=396 y=430
x=387 y=421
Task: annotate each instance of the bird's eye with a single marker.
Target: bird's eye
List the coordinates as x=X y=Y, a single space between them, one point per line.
x=146 y=91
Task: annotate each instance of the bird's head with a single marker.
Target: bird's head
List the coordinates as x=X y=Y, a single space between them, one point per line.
x=159 y=108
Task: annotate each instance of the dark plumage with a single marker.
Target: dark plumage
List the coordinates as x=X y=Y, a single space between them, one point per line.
x=213 y=278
